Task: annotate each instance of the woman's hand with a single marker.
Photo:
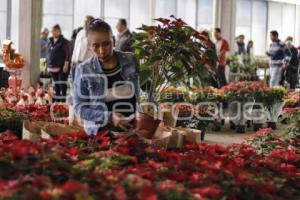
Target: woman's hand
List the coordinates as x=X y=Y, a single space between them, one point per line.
x=122 y=122
x=66 y=67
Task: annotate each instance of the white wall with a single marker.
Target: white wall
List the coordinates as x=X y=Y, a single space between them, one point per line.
x=282 y=18
x=255 y=18
x=58 y=12
x=251 y=21
x=3 y=7
x=83 y=8
x=205 y=15
x=140 y=13
x=137 y=12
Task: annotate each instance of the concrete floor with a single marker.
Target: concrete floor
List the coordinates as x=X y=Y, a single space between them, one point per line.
x=226 y=136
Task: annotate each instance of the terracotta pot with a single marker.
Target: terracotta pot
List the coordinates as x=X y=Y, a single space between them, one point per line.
x=257 y=126
x=145 y=125
x=241 y=128
x=272 y=125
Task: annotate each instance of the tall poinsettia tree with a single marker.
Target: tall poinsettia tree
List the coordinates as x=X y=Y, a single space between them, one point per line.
x=172 y=53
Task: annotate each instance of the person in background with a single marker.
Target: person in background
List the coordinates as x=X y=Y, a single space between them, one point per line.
x=240 y=45
x=276 y=53
x=213 y=80
x=291 y=64
x=44 y=41
x=106 y=71
x=222 y=47
x=124 y=37
x=74 y=35
x=58 y=62
x=81 y=50
x=250 y=50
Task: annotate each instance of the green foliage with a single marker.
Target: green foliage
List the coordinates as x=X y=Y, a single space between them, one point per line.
x=11 y=120
x=171 y=53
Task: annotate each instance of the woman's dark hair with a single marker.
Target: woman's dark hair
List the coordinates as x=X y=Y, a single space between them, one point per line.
x=99 y=26
x=123 y=22
x=218 y=30
x=274 y=33
x=57 y=27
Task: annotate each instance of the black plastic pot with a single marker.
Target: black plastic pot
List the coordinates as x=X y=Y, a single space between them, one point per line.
x=202 y=135
x=241 y=128
x=222 y=122
x=272 y=125
x=216 y=126
x=257 y=126
x=248 y=123
x=232 y=125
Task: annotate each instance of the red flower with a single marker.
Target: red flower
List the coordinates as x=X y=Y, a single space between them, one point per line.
x=266 y=188
x=7 y=137
x=3 y=185
x=212 y=191
x=120 y=193
x=42 y=95
x=45 y=195
x=73 y=151
x=122 y=150
x=73 y=186
x=22 y=148
x=25 y=97
x=291 y=110
x=148 y=194
x=195 y=178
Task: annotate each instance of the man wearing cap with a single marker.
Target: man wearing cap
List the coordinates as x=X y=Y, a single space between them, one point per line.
x=44 y=41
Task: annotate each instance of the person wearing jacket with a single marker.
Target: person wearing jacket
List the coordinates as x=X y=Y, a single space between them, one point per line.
x=291 y=63
x=276 y=53
x=124 y=37
x=222 y=47
x=106 y=86
x=58 y=62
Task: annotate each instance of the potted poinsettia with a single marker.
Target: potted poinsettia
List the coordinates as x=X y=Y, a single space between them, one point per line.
x=217 y=98
x=12 y=120
x=172 y=53
x=274 y=103
x=240 y=93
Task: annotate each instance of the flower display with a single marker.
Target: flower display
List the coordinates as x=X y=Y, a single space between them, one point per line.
x=292 y=99
x=245 y=91
x=77 y=166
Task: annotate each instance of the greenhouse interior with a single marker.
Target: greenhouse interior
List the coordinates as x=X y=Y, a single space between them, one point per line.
x=150 y=99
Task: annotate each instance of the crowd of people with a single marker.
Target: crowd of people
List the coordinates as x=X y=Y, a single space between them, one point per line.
x=283 y=59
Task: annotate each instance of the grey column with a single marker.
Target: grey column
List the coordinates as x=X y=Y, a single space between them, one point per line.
x=8 y=19
x=30 y=16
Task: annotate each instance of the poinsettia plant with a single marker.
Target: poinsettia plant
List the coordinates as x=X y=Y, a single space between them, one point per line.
x=11 y=119
x=172 y=53
x=274 y=102
x=245 y=91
